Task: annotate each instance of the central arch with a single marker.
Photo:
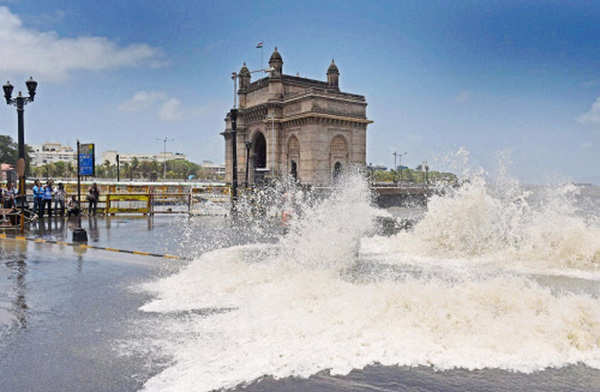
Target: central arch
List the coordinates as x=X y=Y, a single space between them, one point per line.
x=337 y=171
x=294 y=170
x=293 y=152
x=260 y=151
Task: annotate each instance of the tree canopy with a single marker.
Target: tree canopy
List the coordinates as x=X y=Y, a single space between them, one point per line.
x=9 y=152
x=147 y=170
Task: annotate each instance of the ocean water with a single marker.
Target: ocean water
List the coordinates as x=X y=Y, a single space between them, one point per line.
x=495 y=279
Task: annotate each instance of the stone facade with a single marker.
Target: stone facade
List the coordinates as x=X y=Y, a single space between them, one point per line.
x=302 y=127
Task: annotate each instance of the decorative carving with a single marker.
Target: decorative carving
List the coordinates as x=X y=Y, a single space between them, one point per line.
x=339 y=147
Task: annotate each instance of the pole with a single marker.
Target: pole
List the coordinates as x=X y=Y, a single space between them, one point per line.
x=79 y=233
x=234 y=179
x=395 y=154
x=165 y=158
x=247 y=161
x=21 y=142
x=400 y=164
x=118 y=169
x=78 y=181
x=234 y=174
x=21 y=124
x=234 y=76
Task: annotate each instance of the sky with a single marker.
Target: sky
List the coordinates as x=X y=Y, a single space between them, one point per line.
x=518 y=80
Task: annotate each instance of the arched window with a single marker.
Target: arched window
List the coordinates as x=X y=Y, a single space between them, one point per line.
x=260 y=151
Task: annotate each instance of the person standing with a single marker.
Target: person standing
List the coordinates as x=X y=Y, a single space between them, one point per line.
x=92 y=197
x=47 y=198
x=37 y=197
x=59 y=199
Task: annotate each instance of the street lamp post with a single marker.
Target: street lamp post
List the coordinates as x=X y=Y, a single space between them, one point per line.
x=20 y=101
x=400 y=163
x=234 y=179
x=395 y=154
x=248 y=147
x=164 y=157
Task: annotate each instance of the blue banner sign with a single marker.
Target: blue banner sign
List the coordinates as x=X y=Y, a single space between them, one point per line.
x=86 y=160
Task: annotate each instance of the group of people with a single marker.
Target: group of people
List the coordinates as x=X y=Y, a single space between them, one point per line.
x=45 y=195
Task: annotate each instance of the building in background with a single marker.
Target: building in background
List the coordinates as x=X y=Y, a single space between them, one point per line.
x=213 y=171
x=51 y=153
x=111 y=157
x=301 y=127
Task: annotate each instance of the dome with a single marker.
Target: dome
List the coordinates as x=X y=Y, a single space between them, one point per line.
x=275 y=56
x=333 y=69
x=244 y=71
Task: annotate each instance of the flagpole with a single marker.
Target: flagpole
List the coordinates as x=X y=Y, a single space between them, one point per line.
x=260 y=46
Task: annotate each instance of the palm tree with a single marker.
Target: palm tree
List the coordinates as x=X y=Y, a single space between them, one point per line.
x=107 y=168
x=126 y=168
x=134 y=166
x=69 y=170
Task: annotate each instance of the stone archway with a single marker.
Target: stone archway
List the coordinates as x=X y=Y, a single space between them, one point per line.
x=259 y=149
x=293 y=153
x=337 y=171
x=294 y=170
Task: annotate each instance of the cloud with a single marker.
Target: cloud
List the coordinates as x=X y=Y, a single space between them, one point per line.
x=141 y=101
x=48 y=56
x=167 y=108
x=171 y=110
x=592 y=116
x=586 y=145
x=463 y=96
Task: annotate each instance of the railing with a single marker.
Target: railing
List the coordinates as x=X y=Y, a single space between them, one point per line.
x=150 y=199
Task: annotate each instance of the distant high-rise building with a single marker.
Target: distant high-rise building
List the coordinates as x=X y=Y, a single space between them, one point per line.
x=51 y=153
x=213 y=170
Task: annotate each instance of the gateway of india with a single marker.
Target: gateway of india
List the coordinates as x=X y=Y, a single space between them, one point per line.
x=289 y=125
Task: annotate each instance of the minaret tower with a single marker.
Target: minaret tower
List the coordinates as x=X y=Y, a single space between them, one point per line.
x=333 y=75
x=276 y=62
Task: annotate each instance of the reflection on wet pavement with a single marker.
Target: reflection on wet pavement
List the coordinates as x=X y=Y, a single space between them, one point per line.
x=16 y=271
x=62 y=307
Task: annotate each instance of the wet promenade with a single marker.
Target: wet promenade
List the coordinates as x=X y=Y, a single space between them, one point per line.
x=62 y=309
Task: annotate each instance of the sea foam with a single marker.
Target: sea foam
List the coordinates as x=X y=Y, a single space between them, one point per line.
x=298 y=307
